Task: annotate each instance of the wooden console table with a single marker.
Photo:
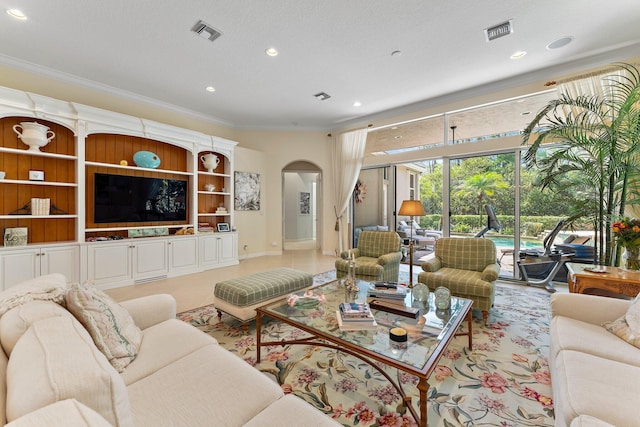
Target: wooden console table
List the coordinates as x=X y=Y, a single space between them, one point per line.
x=614 y=280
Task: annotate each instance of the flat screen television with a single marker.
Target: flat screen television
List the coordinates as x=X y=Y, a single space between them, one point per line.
x=121 y=198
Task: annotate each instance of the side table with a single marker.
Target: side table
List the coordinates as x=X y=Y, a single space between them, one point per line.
x=614 y=280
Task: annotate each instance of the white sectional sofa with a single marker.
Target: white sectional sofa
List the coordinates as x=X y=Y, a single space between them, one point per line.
x=595 y=374
x=55 y=375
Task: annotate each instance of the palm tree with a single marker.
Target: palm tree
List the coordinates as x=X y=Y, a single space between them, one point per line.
x=596 y=140
x=482 y=186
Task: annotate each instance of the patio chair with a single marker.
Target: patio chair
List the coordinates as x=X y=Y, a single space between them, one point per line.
x=467 y=267
x=377 y=257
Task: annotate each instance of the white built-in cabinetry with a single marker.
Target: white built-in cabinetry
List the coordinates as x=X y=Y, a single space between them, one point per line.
x=29 y=262
x=88 y=141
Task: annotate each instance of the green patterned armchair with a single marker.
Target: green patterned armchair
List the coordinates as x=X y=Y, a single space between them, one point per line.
x=377 y=257
x=468 y=267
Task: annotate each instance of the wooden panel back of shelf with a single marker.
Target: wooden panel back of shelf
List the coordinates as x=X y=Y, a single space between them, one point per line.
x=51 y=229
x=63 y=143
x=111 y=149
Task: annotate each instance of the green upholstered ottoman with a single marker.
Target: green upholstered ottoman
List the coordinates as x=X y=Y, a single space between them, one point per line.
x=239 y=297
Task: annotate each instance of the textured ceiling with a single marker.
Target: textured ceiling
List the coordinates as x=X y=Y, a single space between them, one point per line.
x=145 y=48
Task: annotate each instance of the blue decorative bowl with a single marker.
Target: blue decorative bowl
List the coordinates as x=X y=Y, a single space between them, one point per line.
x=146 y=159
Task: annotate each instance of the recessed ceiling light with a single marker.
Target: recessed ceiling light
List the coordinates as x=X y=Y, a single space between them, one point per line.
x=561 y=42
x=210 y=89
x=272 y=51
x=357 y=104
x=16 y=13
x=519 y=54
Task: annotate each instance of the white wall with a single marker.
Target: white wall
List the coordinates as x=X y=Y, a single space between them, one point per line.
x=280 y=148
x=296 y=225
x=251 y=225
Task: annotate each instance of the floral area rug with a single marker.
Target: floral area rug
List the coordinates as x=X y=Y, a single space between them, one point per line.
x=504 y=381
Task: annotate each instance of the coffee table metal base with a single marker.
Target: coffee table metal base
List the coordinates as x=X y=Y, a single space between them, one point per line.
x=325 y=341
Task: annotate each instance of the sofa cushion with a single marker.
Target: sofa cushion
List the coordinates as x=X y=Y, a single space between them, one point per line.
x=587 y=421
x=223 y=390
x=65 y=413
x=50 y=287
x=581 y=381
x=288 y=411
x=459 y=282
x=15 y=322
x=56 y=359
x=572 y=334
x=162 y=345
x=109 y=324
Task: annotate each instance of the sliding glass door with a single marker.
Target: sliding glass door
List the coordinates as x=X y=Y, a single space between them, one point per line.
x=474 y=183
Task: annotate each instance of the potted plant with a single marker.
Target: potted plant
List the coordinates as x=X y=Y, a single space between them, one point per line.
x=594 y=142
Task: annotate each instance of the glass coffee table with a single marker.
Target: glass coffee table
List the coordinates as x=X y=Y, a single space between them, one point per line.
x=428 y=335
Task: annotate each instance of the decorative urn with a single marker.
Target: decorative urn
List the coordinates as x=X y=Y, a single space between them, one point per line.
x=34 y=134
x=210 y=161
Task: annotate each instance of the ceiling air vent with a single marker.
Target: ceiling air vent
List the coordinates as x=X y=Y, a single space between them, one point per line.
x=206 y=31
x=322 y=96
x=498 y=31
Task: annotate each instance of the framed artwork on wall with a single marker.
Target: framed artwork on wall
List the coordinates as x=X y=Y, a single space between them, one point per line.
x=247 y=191
x=305 y=203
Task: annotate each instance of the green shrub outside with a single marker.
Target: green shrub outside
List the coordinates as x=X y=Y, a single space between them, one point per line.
x=532 y=226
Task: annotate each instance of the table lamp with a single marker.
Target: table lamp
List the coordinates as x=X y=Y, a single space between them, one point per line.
x=411 y=208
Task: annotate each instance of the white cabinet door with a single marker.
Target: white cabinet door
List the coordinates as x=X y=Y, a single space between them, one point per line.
x=109 y=263
x=150 y=259
x=228 y=249
x=209 y=250
x=62 y=260
x=19 y=265
x=218 y=249
x=183 y=253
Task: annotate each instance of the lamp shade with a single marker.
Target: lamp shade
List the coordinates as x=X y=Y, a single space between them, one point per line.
x=411 y=208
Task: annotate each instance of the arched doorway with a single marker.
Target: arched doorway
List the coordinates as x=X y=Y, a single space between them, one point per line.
x=301 y=206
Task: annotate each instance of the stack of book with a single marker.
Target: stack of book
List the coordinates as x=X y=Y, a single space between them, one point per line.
x=205 y=227
x=388 y=291
x=40 y=207
x=354 y=316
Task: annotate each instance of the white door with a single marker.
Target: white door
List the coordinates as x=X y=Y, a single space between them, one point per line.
x=183 y=253
x=109 y=263
x=63 y=260
x=19 y=265
x=150 y=259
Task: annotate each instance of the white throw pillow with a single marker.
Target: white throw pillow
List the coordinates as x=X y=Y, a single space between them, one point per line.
x=50 y=287
x=109 y=324
x=633 y=316
x=627 y=326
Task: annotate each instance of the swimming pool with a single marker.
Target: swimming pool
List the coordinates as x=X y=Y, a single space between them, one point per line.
x=507 y=242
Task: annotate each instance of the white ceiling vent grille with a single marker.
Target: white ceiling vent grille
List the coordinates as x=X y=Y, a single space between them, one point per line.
x=497 y=31
x=206 y=31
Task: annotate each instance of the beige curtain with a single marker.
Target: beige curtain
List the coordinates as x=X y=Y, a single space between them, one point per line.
x=347 y=154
